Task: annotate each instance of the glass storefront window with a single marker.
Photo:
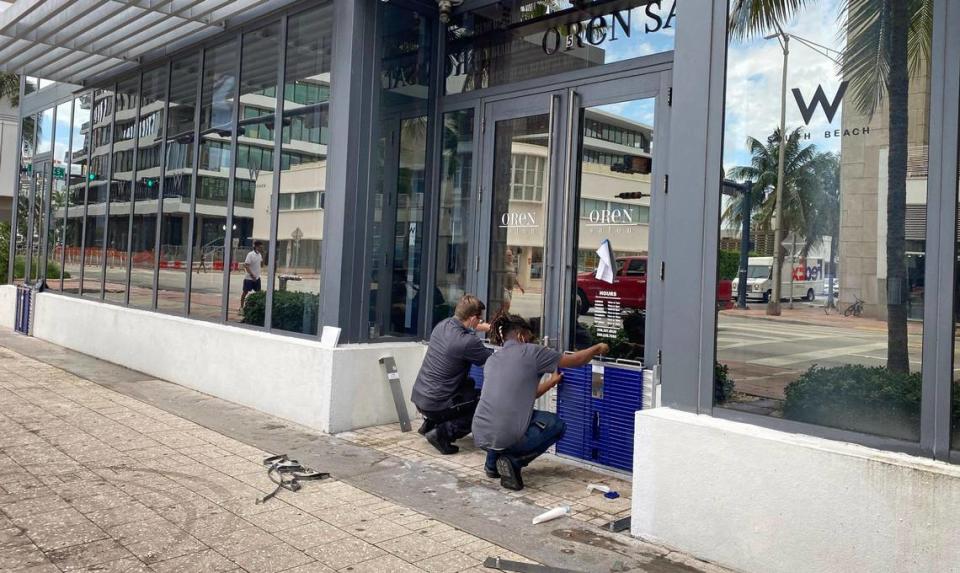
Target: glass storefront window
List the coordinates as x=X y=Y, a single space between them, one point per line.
x=253 y=181
x=98 y=192
x=455 y=226
x=305 y=135
x=76 y=193
x=612 y=307
x=28 y=127
x=146 y=188
x=842 y=345
x=505 y=42
x=121 y=190
x=57 y=200
x=217 y=122
x=518 y=233
x=399 y=184
x=177 y=182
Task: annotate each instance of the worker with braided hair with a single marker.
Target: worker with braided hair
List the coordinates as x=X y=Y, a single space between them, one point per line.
x=505 y=423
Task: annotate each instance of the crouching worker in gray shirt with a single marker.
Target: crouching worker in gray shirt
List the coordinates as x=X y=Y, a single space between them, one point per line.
x=505 y=424
x=443 y=392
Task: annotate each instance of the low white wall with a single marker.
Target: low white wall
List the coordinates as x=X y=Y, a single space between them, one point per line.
x=757 y=500
x=330 y=390
x=8 y=306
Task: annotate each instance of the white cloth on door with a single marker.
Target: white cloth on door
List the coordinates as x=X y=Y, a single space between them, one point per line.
x=605 y=266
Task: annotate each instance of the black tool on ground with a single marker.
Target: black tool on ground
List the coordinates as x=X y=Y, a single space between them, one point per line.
x=287 y=474
x=619 y=525
x=521 y=567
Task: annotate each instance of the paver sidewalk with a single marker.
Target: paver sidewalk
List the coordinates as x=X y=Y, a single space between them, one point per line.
x=91 y=480
x=106 y=469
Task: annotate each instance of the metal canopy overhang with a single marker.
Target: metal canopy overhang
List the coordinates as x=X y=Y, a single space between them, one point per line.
x=82 y=41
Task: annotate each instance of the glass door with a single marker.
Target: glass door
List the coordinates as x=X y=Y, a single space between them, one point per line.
x=614 y=196
x=519 y=178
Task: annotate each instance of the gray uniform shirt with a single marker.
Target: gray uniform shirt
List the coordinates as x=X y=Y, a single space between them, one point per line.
x=510 y=381
x=452 y=349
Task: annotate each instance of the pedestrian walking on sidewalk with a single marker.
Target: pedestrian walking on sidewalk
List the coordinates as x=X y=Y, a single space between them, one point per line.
x=505 y=423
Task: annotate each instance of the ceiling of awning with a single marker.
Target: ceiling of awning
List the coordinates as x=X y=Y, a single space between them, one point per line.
x=79 y=41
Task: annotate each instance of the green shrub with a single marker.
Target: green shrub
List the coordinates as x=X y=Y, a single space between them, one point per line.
x=874 y=400
x=292 y=311
x=722 y=384
x=728 y=263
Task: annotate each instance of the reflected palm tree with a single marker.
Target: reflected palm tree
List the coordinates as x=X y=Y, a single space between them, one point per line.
x=804 y=196
x=887 y=42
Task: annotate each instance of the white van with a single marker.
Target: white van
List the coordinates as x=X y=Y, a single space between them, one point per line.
x=807 y=279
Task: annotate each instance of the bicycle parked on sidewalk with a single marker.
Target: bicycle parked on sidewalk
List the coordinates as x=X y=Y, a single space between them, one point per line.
x=855 y=309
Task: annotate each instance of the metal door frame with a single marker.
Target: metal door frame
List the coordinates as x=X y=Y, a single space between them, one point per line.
x=565 y=105
x=548 y=102
x=651 y=85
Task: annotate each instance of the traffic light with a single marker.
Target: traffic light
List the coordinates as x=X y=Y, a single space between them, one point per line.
x=91 y=176
x=149 y=182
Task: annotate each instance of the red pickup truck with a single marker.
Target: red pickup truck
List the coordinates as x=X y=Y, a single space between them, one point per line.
x=630 y=286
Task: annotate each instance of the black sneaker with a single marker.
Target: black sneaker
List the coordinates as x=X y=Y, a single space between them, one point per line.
x=426 y=426
x=509 y=474
x=491 y=473
x=443 y=446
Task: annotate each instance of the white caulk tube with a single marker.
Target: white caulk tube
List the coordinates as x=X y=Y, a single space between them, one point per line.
x=552 y=514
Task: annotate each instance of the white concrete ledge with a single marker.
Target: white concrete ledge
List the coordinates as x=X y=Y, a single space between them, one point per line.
x=8 y=306
x=756 y=499
x=331 y=390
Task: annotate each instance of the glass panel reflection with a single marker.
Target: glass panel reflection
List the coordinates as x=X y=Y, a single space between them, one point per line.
x=28 y=146
x=455 y=228
x=396 y=234
x=614 y=227
x=521 y=179
x=303 y=175
x=841 y=345
x=98 y=193
x=213 y=175
x=121 y=190
x=146 y=194
x=177 y=182
x=504 y=42
x=253 y=182
x=76 y=193
x=57 y=199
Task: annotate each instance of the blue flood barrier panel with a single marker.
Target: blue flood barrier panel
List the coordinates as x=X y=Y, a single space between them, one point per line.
x=600 y=430
x=573 y=407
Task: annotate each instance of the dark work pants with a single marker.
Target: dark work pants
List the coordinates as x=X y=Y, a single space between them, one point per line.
x=454 y=422
x=545 y=430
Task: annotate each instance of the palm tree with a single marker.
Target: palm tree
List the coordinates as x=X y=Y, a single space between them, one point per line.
x=887 y=42
x=802 y=189
x=10 y=87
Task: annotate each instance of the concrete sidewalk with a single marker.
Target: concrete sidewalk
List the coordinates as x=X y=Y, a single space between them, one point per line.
x=105 y=469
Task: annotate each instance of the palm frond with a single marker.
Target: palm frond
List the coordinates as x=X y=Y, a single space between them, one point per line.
x=866 y=59
x=753 y=18
x=920 y=36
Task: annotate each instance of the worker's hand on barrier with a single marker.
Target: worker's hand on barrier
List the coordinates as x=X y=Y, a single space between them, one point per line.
x=603 y=348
